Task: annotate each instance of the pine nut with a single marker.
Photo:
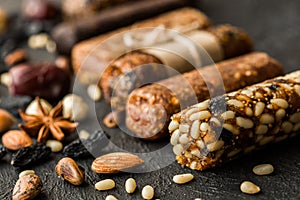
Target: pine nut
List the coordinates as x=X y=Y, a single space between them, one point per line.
x=173 y=125
x=184 y=139
x=215 y=145
x=111 y=197
x=249 y=188
x=184 y=128
x=148 y=192
x=236 y=103
x=183 y=178
x=200 y=115
x=259 y=108
x=26 y=172
x=56 y=146
x=266 y=119
x=295 y=118
x=130 y=185
x=228 y=115
x=263 y=169
x=94 y=92
x=204 y=127
x=178 y=149
x=280 y=102
x=244 y=123
x=195 y=132
x=175 y=137
x=106 y=184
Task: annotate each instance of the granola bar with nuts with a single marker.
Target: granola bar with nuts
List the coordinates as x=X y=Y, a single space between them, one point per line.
x=149 y=108
x=223 y=128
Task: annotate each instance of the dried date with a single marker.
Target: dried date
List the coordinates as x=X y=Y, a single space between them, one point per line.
x=3 y=151
x=82 y=148
x=29 y=155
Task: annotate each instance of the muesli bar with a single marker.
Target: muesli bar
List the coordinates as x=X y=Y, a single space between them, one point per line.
x=220 y=129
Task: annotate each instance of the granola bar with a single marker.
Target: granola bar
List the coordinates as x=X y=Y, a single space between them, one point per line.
x=223 y=128
x=149 y=108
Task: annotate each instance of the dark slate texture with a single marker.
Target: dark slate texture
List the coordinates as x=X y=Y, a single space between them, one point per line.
x=274 y=27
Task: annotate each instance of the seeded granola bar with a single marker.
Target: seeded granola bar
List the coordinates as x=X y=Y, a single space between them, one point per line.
x=232 y=41
x=222 y=128
x=149 y=108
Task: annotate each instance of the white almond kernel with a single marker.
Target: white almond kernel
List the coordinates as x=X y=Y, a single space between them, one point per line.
x=26 y=172
x=263 y=169
x=183 y=178
x=130 y=185
x=148 y=192
x=106 y=184
x=249 y=188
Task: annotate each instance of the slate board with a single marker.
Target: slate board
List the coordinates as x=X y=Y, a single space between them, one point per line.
x=274 y=27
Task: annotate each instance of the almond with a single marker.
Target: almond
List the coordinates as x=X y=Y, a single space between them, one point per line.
x=6 y=120
x=115 y=162
x=16 y=139
x=27 y=187
x=68 y=169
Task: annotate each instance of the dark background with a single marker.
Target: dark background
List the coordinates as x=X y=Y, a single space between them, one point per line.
x=274 y=26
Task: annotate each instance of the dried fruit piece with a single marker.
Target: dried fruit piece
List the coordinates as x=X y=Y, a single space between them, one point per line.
x=263 y=169
x=6 y=120
x=130 y=185
x=27 y=187
x=249 y=187
x=69 y=170
x=115 y=162
x=183 y=178
x=16 y=139
x=106 y=184
x=29 y=155
x=3 y=151
x=82 y=148
x=148 y=192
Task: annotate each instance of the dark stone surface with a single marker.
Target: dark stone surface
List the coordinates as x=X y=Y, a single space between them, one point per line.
x=274 y=27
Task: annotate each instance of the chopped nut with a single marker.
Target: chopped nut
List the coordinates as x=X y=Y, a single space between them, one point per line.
x=68 y=169
x=263 y=169
x=106 y=184
x=130 y=185
x=148 y=192
x=249 y=187
x=183 y=178
x=26 y=172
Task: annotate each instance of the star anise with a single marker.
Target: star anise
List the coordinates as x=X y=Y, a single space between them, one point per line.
x=45 y=123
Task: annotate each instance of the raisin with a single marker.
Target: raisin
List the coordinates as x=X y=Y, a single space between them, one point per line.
x=82 y=148
x=29 y=155
x=3 y=151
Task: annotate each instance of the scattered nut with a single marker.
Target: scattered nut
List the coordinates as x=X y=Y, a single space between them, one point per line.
x=38 y=41
x=26 y=172
x=5 y=79
x=6 y=120
x=148 y=192
x=106 y=184
x=130 y=185
x=94 y=92
x=56 y=146
x=115 y=162
x=183 y=178
x=263 y=169
x=111 y=197
x=16 y=139
x=27 y=187
x=32 y=108
x=74 y=107
x=63 y=63
x=68 y=169
x=51 y=46
x=249 y=188
x=15 y=57
x=83 y=134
